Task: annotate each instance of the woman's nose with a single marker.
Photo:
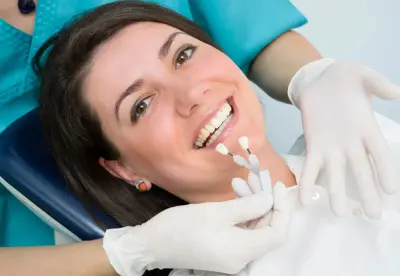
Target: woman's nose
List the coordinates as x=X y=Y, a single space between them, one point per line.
x=188 y=100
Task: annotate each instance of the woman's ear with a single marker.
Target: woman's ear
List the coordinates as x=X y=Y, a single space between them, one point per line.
x=117 y=169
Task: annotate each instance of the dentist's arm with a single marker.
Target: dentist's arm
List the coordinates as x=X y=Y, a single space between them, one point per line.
x=332 y=96
x=187 y=237
x=85 y=258
x=273 y=68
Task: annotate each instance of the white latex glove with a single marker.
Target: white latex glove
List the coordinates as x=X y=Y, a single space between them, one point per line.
x=340 y=129
x=279 y=217
x=197 y=236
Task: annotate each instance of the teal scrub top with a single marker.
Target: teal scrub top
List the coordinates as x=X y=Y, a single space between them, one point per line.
x=241 y=28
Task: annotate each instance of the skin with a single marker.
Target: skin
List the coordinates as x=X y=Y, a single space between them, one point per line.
x=180 y=94
x=83 y=259
x=10 y=13
x=275 y=66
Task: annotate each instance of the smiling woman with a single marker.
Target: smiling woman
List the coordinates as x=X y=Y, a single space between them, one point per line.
x=143 y=95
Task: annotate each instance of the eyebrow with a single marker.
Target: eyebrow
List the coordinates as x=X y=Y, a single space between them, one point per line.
x=164 y=50
x=135 y=86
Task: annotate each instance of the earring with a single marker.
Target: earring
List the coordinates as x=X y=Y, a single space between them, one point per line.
x=142 y=186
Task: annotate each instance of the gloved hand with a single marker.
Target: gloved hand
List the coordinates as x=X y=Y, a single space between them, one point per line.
x=340 y=129
x=197 y=236
x=279 y=217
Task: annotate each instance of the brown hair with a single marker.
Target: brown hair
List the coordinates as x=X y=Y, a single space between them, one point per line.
x=73 y=130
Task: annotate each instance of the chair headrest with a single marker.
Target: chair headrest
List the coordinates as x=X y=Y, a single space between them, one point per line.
x=26 y=164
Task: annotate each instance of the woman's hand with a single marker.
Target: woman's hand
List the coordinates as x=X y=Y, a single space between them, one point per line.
x=340 y=129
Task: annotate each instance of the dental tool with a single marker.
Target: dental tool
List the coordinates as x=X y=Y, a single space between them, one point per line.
x=253 y=163
x=222 y=149
x=239 y=160
x=244 y=143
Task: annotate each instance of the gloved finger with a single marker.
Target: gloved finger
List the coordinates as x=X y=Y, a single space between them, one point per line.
x=383 y=161
x=281 y=209
x=379 y=85
x=266 y=187
x=266 y=181
x=240 y=187
x=254 y=182
x=336 y=170
x=253 y=243
x=262 y=222
x=265 y=238
x=244 y=209
x=309 y=176
x=361 y=167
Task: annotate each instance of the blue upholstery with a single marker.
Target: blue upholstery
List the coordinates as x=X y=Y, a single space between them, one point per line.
x=27 y=165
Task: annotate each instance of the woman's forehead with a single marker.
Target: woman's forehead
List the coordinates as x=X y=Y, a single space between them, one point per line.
x=138 y=36
x=134 y=48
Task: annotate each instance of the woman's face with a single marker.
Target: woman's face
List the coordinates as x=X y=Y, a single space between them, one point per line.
x=159 y=93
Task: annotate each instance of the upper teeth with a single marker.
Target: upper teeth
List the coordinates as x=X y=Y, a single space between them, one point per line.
x=213 y=124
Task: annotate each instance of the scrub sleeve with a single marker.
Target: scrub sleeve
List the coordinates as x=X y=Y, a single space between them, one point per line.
x=243 y=28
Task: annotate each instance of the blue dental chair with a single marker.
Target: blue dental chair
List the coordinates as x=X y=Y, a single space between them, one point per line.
x=28 y=171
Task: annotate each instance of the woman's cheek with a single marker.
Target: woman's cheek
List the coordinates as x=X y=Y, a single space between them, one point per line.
x=163 y=136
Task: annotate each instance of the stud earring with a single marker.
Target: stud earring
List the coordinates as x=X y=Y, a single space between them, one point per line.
x=142 y=186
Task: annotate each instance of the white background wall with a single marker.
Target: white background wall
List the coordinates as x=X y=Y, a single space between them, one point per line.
x=361 y=30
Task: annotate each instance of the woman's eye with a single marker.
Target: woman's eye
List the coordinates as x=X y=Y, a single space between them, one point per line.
x=183 y=56
x=140 y=109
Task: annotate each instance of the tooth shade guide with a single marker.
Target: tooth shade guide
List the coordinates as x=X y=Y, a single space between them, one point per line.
x=244 y=143
x=222 y=149
x=240 y=161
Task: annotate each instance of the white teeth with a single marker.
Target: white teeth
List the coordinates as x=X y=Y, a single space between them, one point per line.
x=218 y=121
x=221 y=115
x=215 y=122
x=209 y=128
x=218 y=132
x=204 y=133
x=227 y=108
x=198 y=143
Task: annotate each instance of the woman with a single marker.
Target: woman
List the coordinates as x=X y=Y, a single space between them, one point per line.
x=151 y=96
x=119 y=144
